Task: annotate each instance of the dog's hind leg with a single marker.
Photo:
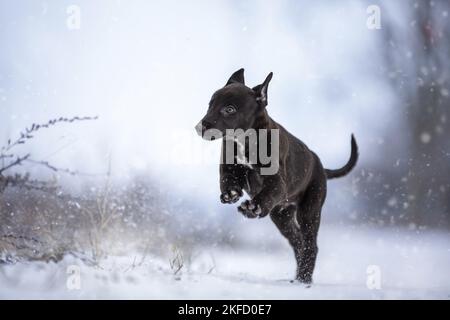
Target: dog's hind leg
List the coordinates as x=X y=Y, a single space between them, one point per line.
x=308 y=219
x=284 y=219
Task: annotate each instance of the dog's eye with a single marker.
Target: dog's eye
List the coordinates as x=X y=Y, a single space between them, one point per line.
x=229 y=110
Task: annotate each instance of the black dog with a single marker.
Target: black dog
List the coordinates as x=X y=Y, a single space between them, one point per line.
x=294 y=195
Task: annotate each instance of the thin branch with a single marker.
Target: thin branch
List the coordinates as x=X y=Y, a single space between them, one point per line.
x=20 y=237
x=24 y=181
x=52 y=167
x=27 y=134
x=16 y=162
x=64 y=170
x=6 y=156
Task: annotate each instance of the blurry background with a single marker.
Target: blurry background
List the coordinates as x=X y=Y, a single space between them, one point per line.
x=148 y=68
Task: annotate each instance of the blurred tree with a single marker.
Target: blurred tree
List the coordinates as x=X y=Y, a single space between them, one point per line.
x=417 y=57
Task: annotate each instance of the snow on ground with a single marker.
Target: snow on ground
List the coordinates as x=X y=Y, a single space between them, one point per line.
x=412 y=265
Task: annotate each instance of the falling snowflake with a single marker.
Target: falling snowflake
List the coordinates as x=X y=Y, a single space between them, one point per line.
x=392 y=202
x=425 y=137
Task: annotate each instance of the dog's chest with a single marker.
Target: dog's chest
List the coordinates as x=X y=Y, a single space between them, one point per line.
x=254 y=183
x=242 y=154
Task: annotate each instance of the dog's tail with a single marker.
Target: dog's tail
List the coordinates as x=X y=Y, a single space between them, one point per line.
x=331 y=174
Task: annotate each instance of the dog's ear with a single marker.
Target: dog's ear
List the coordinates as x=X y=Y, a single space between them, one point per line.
x=237 y=77
x=261 y=91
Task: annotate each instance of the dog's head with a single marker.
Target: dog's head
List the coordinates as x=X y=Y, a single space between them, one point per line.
x=235 y=106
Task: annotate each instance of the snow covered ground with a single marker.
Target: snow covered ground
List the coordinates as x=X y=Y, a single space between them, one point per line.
x=412 y=264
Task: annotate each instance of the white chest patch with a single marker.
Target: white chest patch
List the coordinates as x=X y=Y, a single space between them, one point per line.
x=240 y=157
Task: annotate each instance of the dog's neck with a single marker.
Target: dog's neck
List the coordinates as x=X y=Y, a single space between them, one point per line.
x=263 y=121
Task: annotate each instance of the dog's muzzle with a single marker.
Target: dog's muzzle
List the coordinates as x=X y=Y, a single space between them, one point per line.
x=200 y=128
x=204 y=129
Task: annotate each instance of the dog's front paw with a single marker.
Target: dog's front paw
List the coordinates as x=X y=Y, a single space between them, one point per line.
x=250 y=209
x=231 y=195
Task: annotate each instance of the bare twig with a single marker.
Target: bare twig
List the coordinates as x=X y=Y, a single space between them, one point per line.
x=27 y=134
x=24 y=181
x=52 y=167
x=19 y=237
x=16 y=162
x=6 y=156
x=8 y=162
x=176 y=263
x=213 y=260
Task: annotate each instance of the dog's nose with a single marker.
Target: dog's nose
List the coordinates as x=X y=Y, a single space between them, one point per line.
x=201 y=127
